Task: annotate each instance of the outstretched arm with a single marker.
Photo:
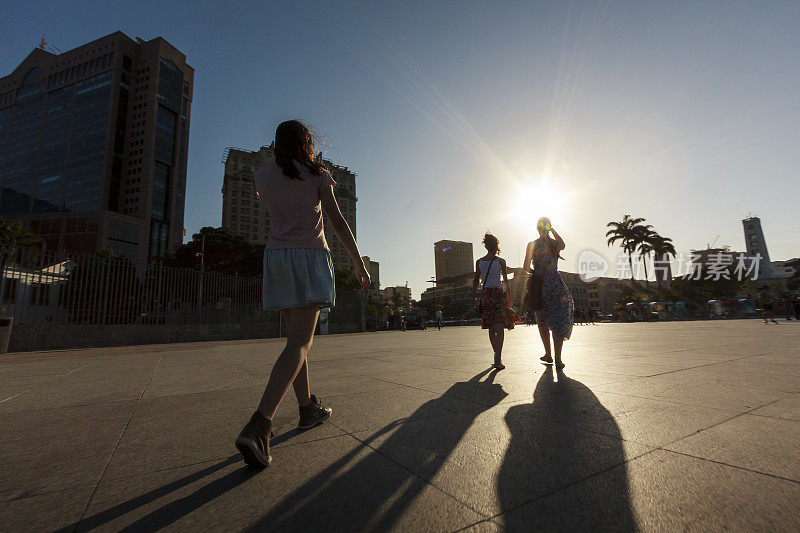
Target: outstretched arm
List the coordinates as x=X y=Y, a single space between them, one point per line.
x=343 y=232
x=528 y=258
x=476 y=280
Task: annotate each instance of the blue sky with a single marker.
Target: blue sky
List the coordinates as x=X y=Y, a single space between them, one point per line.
x=457 y=116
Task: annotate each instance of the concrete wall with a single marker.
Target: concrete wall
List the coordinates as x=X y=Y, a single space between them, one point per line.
x=58 y=337
x=54 y=337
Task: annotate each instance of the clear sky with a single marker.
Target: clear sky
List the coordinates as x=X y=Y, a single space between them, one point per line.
x=454 y=114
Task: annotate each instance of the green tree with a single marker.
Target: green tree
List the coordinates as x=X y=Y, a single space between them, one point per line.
x=14 y=234
x=345 y=279
x=793 y=283
x=398 y=301
x=14 y=241
x=629 y=233
x=372 y=303
x=222 y=251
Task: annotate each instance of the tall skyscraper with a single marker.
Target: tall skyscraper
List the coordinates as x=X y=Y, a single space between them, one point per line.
x=246 y=216
x=452 y=258
x=756 y=244
x=93 y=145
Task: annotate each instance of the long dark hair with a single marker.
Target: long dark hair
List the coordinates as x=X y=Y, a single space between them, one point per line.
x=492 y=243
x=294 y=142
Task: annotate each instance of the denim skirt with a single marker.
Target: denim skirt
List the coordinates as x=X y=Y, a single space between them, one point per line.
x=297 y=277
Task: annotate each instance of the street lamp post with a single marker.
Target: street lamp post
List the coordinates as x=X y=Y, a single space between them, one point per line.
x=433 y=281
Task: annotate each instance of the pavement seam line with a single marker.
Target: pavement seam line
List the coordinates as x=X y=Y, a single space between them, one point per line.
x=722 y=422
x=234 y=365
x=723 y=463
x=705 y=365
x=675 y=402
x=375 y=450
x=658 y=448
x=568 y=485
x=428 y=391
x=60 y=376
x=119 y=440
x=15 y=395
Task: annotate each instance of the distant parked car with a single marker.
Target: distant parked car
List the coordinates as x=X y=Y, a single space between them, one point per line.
x=414 y=320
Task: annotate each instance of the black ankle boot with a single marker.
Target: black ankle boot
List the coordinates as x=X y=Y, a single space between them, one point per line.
x=253 y=441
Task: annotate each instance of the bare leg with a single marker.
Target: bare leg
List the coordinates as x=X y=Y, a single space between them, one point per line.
x=493 y=339
x=300 y=333
x=557 y=343
x=302 y=385
x=544 y=333
x=499 y=336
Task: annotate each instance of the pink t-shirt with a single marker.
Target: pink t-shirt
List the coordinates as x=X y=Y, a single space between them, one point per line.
x=294 y=206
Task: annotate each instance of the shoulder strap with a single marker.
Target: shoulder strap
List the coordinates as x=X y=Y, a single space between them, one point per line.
x=483 y=284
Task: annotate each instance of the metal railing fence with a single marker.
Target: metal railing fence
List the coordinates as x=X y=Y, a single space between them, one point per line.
x=40 y=287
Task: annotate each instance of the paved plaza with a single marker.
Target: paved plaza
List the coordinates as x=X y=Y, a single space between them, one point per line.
x=651 y=426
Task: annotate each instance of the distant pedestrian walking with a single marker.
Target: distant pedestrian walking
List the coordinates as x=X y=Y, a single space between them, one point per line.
x=495 y=303
x=298 y=276
x=551 y=300
x=787 y=306
x=439 y=319
x=765 y=301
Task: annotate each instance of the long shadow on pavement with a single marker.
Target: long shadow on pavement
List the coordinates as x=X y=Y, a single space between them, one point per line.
x=367 y=493
x=550 y=449
x=325 y=502
x=165 y=518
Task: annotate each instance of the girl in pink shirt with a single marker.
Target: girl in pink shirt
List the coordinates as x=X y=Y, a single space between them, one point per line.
x=298 y=275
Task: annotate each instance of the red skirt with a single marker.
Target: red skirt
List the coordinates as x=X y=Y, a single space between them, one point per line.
x=496 y=309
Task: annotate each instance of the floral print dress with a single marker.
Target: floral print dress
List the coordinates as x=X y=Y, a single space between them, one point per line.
x=558 y=309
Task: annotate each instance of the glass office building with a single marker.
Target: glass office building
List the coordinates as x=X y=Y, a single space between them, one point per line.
x=93 y=146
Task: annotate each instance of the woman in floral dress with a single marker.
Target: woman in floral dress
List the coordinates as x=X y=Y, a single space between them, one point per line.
x=558 y=308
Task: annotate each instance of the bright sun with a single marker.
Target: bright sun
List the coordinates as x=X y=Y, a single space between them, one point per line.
x=536 y=198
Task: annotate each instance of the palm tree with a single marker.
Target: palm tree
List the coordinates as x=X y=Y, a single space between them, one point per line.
x=662 y=246
x=627 y=232
x=644 y=245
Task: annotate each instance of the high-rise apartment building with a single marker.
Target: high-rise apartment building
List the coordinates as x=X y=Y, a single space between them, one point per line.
x=756 y=244
x=374 y=269
x=246 y=216
x=452 y=258
x=93 y=145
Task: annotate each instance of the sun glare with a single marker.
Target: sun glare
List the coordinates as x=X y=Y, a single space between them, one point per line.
x=536 y=198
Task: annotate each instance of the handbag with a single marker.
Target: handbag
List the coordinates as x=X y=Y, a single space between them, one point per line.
x=533 y=297
x=483 y=284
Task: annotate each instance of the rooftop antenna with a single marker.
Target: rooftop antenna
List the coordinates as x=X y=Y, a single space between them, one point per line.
x=48 y=47
x=713 y=242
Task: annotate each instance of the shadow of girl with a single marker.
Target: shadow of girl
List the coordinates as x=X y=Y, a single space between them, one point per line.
x=364 y=491
x=564 y=438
